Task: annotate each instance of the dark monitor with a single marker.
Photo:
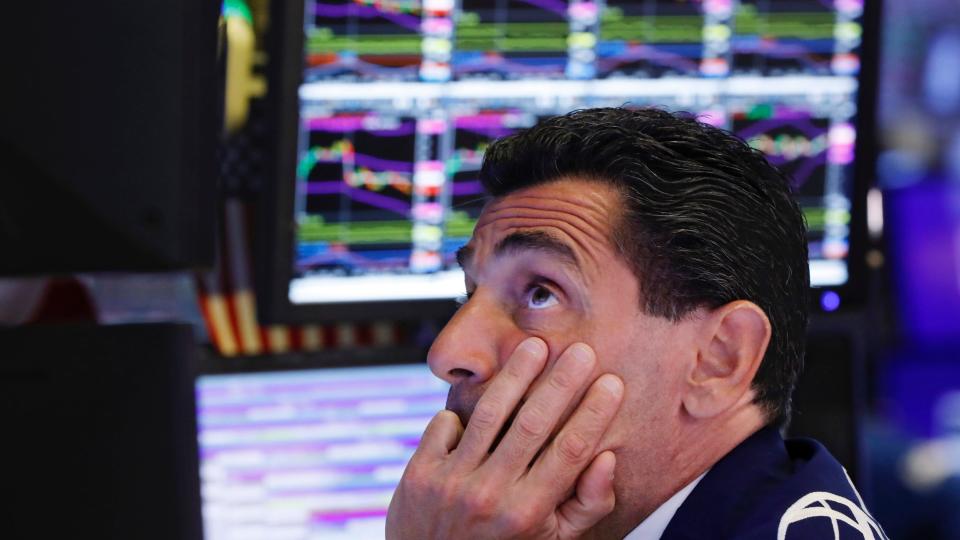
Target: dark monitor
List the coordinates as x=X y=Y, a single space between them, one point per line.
x=384 y=110
x=108 y=136
x=308 y=452
x=99 y=432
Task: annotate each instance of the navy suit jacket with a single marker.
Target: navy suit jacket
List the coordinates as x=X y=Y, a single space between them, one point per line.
x=770 y=489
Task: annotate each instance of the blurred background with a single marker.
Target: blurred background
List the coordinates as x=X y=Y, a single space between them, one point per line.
x=227 y=235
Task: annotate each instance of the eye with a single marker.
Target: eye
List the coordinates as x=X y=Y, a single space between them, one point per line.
x=540 y=297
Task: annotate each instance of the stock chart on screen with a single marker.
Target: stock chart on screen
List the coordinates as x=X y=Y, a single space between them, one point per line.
x=400 y=98
x=309 y=454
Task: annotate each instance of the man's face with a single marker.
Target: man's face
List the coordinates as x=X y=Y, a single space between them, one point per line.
x=541 y=263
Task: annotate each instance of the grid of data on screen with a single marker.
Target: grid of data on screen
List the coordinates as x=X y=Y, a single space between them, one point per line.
x=306 y=455
x=400 y=98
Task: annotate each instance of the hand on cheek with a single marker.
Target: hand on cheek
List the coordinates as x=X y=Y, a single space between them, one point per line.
x=455 y=487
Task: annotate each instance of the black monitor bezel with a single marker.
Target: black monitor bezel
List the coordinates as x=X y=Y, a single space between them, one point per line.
x=275 y=233
x=212 y=364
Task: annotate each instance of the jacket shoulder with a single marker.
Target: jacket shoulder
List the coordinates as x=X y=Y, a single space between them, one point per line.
x=768 y=488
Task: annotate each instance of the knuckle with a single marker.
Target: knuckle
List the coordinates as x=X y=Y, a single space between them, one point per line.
x=486 y=415
x=600 y=407
x=518 y=520
x=530 y=424
x=478 y=503
x=412 y=474
x=562 y=380
x=417 y=475
x=428 y=484
x=445 y=492
x=572 y=447
x=515 y=371
x=600 y=403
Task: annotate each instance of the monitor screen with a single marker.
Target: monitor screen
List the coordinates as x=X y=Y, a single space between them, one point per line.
x=399 y=99
x=308 y=454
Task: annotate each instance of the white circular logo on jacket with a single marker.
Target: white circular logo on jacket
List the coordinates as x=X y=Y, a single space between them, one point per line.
x=847 y=518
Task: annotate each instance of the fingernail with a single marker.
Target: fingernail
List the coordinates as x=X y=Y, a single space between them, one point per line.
x=581 y=353
x=612 y=383
x=534 y=347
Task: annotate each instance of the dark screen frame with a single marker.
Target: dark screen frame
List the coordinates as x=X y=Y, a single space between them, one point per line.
x=212 y=363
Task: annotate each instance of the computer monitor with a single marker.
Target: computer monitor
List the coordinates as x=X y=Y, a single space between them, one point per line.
x=308 y=453
x=109 y=135
x=99 y=432
x=384 y=110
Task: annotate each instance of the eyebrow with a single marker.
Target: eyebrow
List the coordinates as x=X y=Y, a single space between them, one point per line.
x=519 y=242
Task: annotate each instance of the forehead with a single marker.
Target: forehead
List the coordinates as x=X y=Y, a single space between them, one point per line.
x=579 y=211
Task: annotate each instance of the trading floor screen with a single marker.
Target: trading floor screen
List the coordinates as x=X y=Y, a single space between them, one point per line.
x=400 y=98
x=314 y=454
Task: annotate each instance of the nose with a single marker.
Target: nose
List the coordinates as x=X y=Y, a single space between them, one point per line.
x=468 y=348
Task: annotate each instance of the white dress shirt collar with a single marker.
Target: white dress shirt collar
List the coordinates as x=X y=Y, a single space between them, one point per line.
x=652 y=528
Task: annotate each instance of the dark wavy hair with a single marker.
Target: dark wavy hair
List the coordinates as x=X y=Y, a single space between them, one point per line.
x=706 y=219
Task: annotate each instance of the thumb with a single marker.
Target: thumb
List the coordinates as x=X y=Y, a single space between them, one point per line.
x=592 y=500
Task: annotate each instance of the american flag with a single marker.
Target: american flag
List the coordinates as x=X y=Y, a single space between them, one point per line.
x=229 y=305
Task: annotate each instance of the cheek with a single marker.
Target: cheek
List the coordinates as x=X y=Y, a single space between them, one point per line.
x=559 y=329
x=644 y=357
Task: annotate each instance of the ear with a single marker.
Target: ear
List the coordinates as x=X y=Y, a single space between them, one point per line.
x=734 y=339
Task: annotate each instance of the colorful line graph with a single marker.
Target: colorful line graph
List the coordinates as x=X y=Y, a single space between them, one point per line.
x=466 y=159
x=649 y=38
x=393 y=6
x=405 y=20
x=369 y=178
x=365 y=39
x=358 y=169
x=339 y=151
x=684 y=58
x=467 y=64
x=511 y=39
x=467 y=187
x=372 y=198
x=394 y=67
x=787 y=147
x=804 y=125
x=795 y=143
x=773 y=41
x=489 y=125
x=366 y=122
x=558 y=7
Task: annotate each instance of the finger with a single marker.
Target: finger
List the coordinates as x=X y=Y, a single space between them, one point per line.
x=440 y=437
x=500 y=399
x=573 y=448
x=593 y=499
x=537 y=418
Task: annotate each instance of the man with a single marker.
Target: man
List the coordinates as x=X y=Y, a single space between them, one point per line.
x=633 y=329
